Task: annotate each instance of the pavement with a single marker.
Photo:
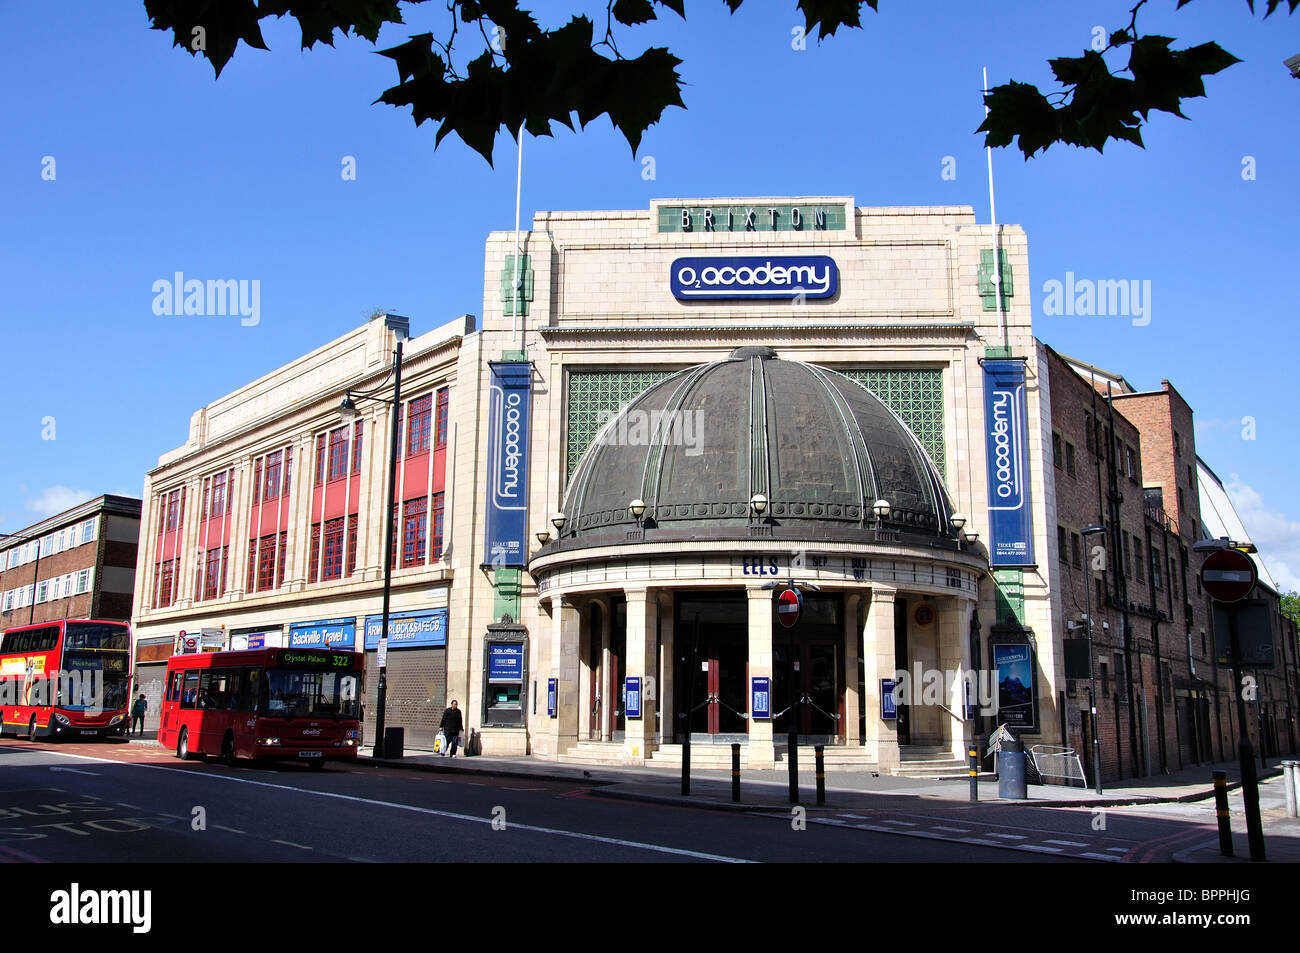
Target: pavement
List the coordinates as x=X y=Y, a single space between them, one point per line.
x=1188 y=792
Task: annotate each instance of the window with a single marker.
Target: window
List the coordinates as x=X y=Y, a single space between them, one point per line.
x=271 y=476
x=1106 y=447
x=1173 y=577
x=437 y=524
x=88 y=530
x=313 y=569
x=1075 y=549
x=357 y=434
x=42 y=592
x=1090 y=439
x=190 y=692
x=165 y=585
x=338 y=453
x=1121 y=682
x=320 y=460
x=1191 y=480
x=1128 y=558
x=417 y=435
x=352 y=544
x=440 y=432
x=173 y=510
x=83 y=581
x=251 y=574
x=214 y=580
x=1128 y=462
x=266 y=562
x=1058 y=457
x=1137 y=559
x=414 y=528
x=216 y=505
x=333 y=565
x=1069 y=459
x=1181 y=504
x=1060 y=544
x=1105 y=678
x=9 y=601
x=257 y=480
x=1100 y=601
x=1155 y=568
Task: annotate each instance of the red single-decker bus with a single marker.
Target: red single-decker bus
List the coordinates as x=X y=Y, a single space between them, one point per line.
x=300 y=704
x=65 y=679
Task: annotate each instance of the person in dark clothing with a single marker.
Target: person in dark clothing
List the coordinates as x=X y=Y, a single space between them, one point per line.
x=137 y=713
x=451 y=726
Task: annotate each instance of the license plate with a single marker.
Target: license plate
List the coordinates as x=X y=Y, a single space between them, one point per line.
x=309 y=754
x=90 y=731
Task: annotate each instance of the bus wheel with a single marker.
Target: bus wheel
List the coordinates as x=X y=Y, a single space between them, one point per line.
x=183 y=745
x=31 y=729
x=228 y=750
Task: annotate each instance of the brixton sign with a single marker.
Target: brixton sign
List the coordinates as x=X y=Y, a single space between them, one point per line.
x=803 y=276
x=1228 y=575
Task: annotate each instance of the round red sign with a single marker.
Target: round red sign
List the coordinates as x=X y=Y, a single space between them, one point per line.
x=1228 y=575
x=788 y=606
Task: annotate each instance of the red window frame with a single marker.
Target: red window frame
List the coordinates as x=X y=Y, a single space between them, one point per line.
x=440 y=433
x=415 y=524
x=352 y=544
x=332 y=566
x=358 y=433
x=320 y=459
x=417 y=436
x=437 y=526
x=271 y=475
x=338 y=454
x=313 y=570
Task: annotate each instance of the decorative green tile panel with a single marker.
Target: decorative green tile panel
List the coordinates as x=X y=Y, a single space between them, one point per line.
x=596 y=396
x=505 y=592
x=1009 y=594
x=916 y=396
x=508 y=281
x=986 y=275
x=764 y=218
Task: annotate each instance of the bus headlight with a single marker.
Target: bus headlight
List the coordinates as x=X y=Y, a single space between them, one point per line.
x=61 y=719
x=116 y=719
x=354 y=733
x=268 y=741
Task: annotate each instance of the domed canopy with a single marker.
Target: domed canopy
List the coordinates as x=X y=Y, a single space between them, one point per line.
x=699 y=446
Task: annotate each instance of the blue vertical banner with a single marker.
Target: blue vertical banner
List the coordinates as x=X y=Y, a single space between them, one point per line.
x=1011 y=539
x=552 y=697
x=632 y=696
x=508 y=415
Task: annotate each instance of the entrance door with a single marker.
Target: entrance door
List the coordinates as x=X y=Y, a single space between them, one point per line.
x=711 y=662
x=808 y=671
x=594 y=693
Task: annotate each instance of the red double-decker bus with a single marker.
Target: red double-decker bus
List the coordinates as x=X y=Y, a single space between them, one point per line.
x=65 y=679
x=300 y=704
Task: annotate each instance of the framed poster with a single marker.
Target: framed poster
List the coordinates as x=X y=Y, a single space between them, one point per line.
x=1017 y=686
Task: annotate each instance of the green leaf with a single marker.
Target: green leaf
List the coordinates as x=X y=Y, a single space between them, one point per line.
x=633 y=12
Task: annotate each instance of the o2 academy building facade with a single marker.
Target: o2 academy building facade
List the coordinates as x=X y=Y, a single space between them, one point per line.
x=727 y=467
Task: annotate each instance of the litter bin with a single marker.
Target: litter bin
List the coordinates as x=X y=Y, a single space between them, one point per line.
x=394 y=738
x=1012 y=784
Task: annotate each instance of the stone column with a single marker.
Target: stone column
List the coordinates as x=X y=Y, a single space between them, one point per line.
x=584 y=671
x=878 y=662
x=608 y=699
x=561 y=732
x=762 y=751
x=954 y=661
x=642 y=654
x=664 y=690
x=852 y=701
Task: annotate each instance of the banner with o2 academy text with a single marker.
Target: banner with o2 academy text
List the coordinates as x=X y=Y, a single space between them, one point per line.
x=1011 y=539
x=507 y=471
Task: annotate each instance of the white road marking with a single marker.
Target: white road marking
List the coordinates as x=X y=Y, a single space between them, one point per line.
x=289 y=843
x=1012 y=836
x=1110 y=857
x=230 y=829
x=577 y=835
x=1119 y=850
x=981 y=841
x=954 y=830
x=901 y=823
x=75 y=771
x=1039 y=848
x=1066 y=843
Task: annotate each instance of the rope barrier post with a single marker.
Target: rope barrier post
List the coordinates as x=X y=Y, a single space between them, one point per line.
x=819 y=754
x=735 y=772
x=1221 y=810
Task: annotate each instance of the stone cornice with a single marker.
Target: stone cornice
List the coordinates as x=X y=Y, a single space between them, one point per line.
x=935 y=332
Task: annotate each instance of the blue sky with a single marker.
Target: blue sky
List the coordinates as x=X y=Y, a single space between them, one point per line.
x=160 y=168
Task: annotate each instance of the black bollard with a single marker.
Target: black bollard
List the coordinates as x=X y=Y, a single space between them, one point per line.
x=973 y=753
x=1221 y=810
x=819 y=754
x=686 y=761
x=735 y=773
x=792 y=759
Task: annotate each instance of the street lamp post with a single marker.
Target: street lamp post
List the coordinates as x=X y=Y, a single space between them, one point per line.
x=401 y=328
x=36 y=569
x=1092 y=659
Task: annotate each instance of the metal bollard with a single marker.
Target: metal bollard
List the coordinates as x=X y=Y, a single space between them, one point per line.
x=973 y=753
x=819 y=753
x=1289 y=782
x=1221 y=810
x=792 y=757
x=735 y=772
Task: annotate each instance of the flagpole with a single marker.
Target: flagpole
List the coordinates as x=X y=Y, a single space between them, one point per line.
x=517 y=289
x=993 y=219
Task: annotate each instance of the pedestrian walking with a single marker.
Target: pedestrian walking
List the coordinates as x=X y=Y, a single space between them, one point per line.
x=137 y=713
x=451 y=726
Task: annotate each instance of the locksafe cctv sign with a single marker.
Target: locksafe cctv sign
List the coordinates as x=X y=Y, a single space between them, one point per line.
x=754 y=278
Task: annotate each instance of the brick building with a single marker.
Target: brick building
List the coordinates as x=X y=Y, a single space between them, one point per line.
x=84 y=569
x=1125 y=460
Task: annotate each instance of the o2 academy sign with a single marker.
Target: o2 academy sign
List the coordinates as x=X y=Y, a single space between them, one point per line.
x=754 y=277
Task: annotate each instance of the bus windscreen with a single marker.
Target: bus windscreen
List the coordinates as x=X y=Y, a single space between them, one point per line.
x=301 y=694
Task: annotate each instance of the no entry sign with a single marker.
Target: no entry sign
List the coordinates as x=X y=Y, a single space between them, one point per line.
x=1228 y=575
x=789 y=604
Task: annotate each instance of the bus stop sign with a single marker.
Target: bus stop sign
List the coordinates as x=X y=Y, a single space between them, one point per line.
x=1228 y=575
x=789 y=604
